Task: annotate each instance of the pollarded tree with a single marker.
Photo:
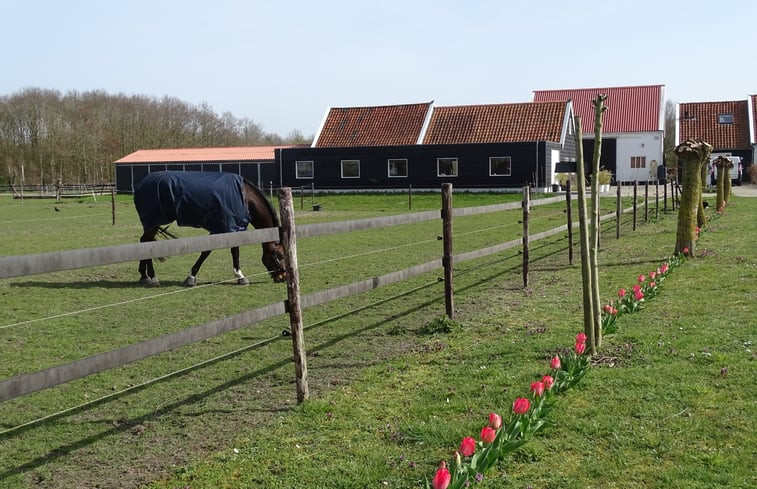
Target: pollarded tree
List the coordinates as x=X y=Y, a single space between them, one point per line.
x=721 y=163
x=692 y=154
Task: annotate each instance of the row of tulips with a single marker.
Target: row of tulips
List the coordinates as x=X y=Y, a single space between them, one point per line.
x=646 y=287
x=528 y=415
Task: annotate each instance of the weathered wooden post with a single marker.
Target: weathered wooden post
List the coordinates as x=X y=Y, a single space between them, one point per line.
x=618 y=212
x=665 y=197
x=113 y=204
x=656 y=200
x=526 y=204
x=568 y=205
x=646 y=202
x=635 y=190
x=449 y=300
x=289 y=241
x=410 y=197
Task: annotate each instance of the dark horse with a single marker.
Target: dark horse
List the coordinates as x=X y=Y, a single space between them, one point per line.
x=216 y=201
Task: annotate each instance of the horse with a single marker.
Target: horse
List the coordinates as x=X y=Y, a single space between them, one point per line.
x=215 y=201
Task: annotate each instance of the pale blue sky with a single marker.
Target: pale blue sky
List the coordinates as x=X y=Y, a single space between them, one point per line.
x=283 y=63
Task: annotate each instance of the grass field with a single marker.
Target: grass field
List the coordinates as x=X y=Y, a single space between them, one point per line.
x=390 y=396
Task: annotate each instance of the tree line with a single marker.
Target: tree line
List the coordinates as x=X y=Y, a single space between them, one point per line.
x=47 y=136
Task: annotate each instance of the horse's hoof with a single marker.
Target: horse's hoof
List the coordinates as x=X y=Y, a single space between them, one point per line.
x=150 y=282
x=190 y=282
x=243 y=281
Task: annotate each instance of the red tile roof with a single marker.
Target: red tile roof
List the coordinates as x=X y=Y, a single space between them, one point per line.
x=699 y=120
x=529 y=121
x=386 y=125
x=629 y=109
x=242 y=153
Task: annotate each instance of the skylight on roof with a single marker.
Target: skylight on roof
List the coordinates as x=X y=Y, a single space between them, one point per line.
x=725 y=118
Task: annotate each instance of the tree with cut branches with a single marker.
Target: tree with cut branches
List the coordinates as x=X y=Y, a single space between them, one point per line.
x=692 y=154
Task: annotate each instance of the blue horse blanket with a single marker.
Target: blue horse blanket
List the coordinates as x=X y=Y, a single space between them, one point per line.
x=208 y=200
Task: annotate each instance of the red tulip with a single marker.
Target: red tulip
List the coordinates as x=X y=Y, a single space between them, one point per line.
x=685 y=251
x=467 y=446
x=622 y=292
x=555 y=363
x=442 y=477
x=521 y=405
x=537 y=388
x=580 y=348
x=488 y=435
x=638 y=295
x=581 y=338
x=548 y=381
x=495 y=421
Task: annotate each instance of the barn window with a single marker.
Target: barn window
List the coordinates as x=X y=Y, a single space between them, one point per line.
x=397 y=167
x=304 y=169
x=638 y=161
x=500 y=166
x=725 y=118
x=446 y=167
x=350 y=168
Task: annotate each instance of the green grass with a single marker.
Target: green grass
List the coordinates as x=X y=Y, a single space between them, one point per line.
x=393 y=387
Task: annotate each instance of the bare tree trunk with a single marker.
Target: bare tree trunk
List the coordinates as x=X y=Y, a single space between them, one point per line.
x=599 y=109
x=583 y=226
x=721 y=164
x=692 y=154
x=700 y=211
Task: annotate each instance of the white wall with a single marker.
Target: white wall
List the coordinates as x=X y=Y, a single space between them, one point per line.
x=648 y=144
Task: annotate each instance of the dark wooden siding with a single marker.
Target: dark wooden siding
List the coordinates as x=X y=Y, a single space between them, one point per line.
x=527 y=161
x=128 y=175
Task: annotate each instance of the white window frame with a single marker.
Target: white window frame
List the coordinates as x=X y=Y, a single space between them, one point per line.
x=351 y=161
x=638 y=162
x=389 y=167
x=455 y=167
x=297 y=170
x=509 y=166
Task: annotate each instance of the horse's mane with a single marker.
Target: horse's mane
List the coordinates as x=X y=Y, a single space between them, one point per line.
x=261 y=196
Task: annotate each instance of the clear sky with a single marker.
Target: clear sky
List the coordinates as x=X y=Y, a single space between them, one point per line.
x=283 y=63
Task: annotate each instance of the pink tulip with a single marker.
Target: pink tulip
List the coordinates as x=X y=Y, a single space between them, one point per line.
x=537 y=388
x=636 y=288
x=488 y=435
x=622 y=292
x=580 y=348
x=652 y=275
x=521 y=405
x=685 y=250
x=652 y=284
x=581 y=338
x=467 y=446
x=555 y=363
x=495 y=421
x=548 y=381
x=664 y=268
x=642 y=278
x=638 y=295
x=442 y=477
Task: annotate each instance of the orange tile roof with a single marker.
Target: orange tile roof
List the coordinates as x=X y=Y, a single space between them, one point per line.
x=699 y=120
x=241 y=153
x=629 y=109
x=386 y=125
x=519 y=122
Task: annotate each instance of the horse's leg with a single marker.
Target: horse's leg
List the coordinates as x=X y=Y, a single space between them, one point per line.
x=146 y=270
x=241 y=279
x=191 y=281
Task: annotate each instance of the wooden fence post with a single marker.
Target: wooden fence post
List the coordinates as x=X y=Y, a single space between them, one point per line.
x=289 y=240
x=449 y=300
x=526 y=210
x=568 y=205
x=665 y=197
x=646 y=202
x=410 y=197
x=113 y=204
x=618 y=212
x=656 y=200
x=635 y=206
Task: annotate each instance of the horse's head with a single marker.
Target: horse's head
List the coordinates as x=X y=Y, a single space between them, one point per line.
x=275 y=261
